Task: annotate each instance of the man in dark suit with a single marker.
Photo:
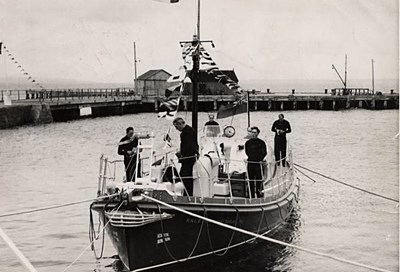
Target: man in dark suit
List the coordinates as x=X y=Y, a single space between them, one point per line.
x=280 y=127
x=187 y=154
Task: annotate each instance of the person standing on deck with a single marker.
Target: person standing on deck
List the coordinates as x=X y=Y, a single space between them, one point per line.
x=280 y=127
x=128 y=148
x=187 y=154
x=211 y=127
x=256 y=150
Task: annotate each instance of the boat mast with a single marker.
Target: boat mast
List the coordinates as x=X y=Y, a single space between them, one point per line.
x=195 y=72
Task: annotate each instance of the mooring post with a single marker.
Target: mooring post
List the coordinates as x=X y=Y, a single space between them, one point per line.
x=321 y=104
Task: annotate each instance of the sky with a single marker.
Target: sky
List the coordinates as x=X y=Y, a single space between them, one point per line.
x=92 y=40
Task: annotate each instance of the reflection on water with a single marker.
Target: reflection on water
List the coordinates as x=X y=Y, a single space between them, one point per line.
x=58 y=163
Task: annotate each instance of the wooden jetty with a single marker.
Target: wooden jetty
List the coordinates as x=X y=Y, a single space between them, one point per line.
x=67 y=104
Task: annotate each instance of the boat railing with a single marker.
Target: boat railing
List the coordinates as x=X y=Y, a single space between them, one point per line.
x=275 y=178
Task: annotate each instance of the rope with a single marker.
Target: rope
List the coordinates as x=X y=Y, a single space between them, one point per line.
x=264 y=237
x=349 y=185
x=90 y=245
x=307 y=176
x=17 y=252
x=55 y=206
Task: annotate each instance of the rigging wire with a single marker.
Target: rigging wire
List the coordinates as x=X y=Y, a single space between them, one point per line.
x=346 y=184
x=264 y=237
x=56 y=206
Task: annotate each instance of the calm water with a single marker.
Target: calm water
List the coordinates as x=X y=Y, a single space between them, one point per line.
x=58 y=163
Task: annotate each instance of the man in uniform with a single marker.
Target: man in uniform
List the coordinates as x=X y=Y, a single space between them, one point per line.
x=256 y=150
x=187 y=154
x=280 y=127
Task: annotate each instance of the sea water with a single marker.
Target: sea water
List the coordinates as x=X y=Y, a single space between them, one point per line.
x=58 y=163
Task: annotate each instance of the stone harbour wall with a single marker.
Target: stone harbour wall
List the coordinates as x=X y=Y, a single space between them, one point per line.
x=17 y=115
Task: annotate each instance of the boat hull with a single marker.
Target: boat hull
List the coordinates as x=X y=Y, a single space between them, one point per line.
x=181 y=237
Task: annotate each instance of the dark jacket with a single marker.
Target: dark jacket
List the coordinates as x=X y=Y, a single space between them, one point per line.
x=255 y=149
x=189 y=146
x=281 y=125
x=124 y=148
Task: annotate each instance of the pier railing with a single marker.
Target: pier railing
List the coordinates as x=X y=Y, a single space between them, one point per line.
x=66 y=94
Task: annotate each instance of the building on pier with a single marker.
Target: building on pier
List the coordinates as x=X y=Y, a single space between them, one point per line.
x=152 y=83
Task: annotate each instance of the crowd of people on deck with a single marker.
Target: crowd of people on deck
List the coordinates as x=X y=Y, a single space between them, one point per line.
x=255 y=149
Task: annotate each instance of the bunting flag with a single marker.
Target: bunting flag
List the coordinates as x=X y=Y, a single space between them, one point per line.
x=236 y=107
x=158 y=162
x=169 y=108
x=168 y=139
x=173 y=91
x=13 y=59
x=207 y=64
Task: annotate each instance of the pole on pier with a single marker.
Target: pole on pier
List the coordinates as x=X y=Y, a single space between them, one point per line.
x=373 y=83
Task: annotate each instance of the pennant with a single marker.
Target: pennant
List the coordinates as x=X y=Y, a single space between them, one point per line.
x=168 y=139
x=169 y=108
x=173 y=91
x=158 y=162
x=238 y=107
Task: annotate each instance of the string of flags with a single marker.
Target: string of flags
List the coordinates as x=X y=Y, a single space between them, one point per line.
x=207 y=64
x=169 y=105
x=19 y=66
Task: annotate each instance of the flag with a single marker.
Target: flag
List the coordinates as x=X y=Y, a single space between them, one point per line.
x=225 y=111
x=168 y=108
x=173 y=91
x=158 y=162
x=168 y=139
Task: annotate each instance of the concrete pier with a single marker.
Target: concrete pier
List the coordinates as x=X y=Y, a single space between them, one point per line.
x=31 y=107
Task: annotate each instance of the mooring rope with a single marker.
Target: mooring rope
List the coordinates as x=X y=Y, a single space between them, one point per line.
x=91 y=243
x=346 y=184
x=55 y=206
x=17 y=252
x=304 y=174
x=264 y=237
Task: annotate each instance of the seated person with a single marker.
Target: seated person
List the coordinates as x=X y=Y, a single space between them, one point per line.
x=211 y=127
